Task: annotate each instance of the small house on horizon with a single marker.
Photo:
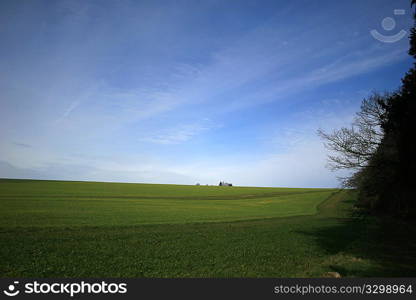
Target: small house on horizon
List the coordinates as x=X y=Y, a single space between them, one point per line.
x=223 y=183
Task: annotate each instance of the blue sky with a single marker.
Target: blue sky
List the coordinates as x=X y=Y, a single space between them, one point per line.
x=187 y=91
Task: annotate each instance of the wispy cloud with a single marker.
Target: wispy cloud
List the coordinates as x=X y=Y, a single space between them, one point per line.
x=22 y=145
x=354 y=64
x=70 y=109
x=177 y=135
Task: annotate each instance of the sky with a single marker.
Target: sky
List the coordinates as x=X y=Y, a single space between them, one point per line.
x=189 y=91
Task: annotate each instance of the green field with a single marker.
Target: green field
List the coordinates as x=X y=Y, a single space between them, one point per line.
x=57 y=203
x=89 y=229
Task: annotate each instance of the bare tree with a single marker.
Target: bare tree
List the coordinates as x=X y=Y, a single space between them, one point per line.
x=353 y=147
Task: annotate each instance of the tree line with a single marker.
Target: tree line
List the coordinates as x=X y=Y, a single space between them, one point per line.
x=380 y=147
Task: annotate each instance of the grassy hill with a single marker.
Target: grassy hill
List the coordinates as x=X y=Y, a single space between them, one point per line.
x=28 y=203
x=80 y=229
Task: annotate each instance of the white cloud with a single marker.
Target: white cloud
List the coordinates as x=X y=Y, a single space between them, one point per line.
x=70 y=109
x=179 y=134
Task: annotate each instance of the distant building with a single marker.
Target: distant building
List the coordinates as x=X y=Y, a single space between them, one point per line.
x=197 y=183
x=223 y=183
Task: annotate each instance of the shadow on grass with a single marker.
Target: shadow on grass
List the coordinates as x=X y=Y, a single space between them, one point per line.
x=367 y=246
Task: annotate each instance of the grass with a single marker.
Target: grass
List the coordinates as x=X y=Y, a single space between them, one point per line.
x=32 y=203
x=74 y=229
